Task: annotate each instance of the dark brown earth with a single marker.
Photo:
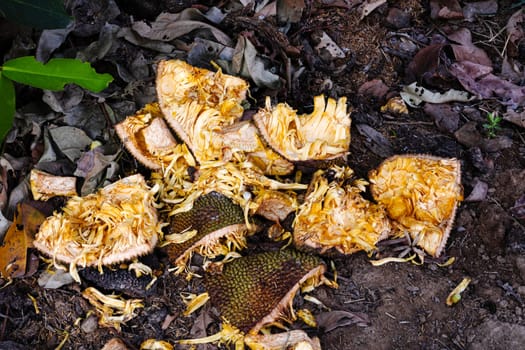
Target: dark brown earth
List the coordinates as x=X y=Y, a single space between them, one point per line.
x=404 y=303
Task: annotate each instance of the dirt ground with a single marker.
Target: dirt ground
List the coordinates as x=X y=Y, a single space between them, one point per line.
x=404 y=303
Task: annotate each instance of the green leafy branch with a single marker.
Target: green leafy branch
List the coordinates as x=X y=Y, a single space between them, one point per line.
x=53 y=75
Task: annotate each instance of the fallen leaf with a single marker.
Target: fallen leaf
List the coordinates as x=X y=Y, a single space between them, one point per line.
x=326 y=47
x=289 y=11
x=169 y=26
x=430 y=66
x=445 y=9
x=518 y=210
x=330 y=320
x=50 y=40
x=479 y=80
x=19 y=237
x=466 y=50
x=375 y=141
x=414 y=94
x=54 y=279
x=444 y=115
x=479 y=191
x=369 y=6
x=375 y=88
x=514 y=117
x=515 y=32
x=92 y=167
x=70 y=141
x=479 y=8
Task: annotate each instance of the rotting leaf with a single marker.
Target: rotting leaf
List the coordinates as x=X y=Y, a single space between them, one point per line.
x=514 y=117
x=445 y=9
x=169 y=26
x=19 y=237
x=290 y=11
x=518 y=210
x=414 y=94
x=370 y=6
x=330 y=320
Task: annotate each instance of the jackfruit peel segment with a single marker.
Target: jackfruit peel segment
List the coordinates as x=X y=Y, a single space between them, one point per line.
x=254 y=291
x=197 y=103
x=323 y=134
x=334 y=215
x=147 y=137
x=116 y=224
x=421 y=194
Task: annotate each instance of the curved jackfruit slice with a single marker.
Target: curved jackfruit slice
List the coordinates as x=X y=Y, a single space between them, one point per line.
x=198 y=103
x=323 y=135
x=149 y=140
x=218 y=227
x=257 y=290
x=421 y=194
x=118 y=223
x=244 y=139
x=334 y=215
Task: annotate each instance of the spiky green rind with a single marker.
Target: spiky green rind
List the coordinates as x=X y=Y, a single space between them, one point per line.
x=251 y=287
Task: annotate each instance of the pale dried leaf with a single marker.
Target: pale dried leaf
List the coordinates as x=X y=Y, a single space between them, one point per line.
x=414 y=94
x=169 y=26
x=328 y=321
x=479 y=192
x=479 y=8
x=54 y=279
x=369 y=6
x=514 y=117
x=70 y=141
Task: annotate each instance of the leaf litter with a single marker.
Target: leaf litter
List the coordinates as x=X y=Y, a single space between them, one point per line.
x=491 y=87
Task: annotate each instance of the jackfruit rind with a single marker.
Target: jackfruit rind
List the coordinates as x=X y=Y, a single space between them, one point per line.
x=421 y=194
x=148 y=138
x=335 y=217
x=220 y=228
x=322 y=136
x=197 y=103
x=116 y=224
x=258 y=289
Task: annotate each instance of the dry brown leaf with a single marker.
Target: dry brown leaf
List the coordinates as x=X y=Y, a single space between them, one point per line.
x=19 y=237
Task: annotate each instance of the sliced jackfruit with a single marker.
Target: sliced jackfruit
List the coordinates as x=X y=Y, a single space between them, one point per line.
x=421 y=194
x=149 y=139
x=334 y=215
x=118 y=223
x=219 y=227
x=257 y=290
x=320 y=137
x=198 y=103
x=45 y=186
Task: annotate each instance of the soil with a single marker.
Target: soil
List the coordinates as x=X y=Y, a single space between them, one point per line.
x=404 y=302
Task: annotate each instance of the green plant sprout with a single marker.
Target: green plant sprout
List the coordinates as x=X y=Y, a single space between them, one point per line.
x=53 y=75
x=493 y=124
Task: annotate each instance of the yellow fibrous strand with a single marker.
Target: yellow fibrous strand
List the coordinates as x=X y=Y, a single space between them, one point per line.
x=336 y=216
x=198 y=103
x=421 y=194
x=118 y=223
x=322 y=134
x=112 y=309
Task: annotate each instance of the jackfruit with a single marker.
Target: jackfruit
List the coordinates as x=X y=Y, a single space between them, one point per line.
x=334 y=215
x=149 y=140
x=321 y=137
x=197 y=103
x=220 y=228
x=421 y=194
x=257 y=290
x=116 y=224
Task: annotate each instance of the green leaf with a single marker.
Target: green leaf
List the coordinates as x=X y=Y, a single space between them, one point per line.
x=7 y=105
x=55 y=74
x=40 y=14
